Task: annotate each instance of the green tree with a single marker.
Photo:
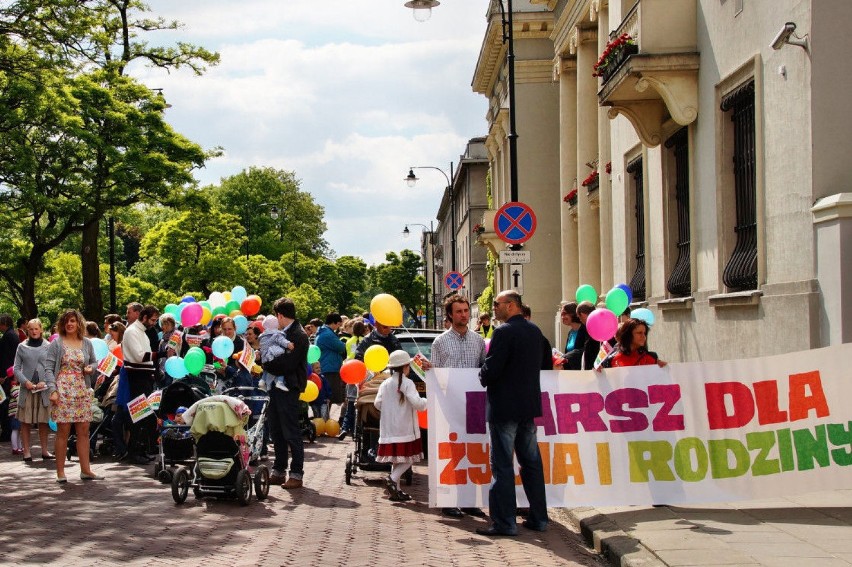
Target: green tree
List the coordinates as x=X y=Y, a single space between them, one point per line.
x=351 y=281
x=399 y=277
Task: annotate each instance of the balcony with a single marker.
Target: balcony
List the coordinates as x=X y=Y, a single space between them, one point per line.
x=654 y=79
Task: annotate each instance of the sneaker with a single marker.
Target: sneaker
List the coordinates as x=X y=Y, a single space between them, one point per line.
x=343 y=434
x=281 y=386
x=261 y=385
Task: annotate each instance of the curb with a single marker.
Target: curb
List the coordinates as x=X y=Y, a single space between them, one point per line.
x=616 y=546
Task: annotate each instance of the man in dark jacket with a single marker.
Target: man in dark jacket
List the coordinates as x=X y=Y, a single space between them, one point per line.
x=284 y=405
x=8 y=348
x=512 y=382
x=381 y=335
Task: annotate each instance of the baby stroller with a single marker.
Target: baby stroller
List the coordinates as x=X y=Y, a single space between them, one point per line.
x=306 y=424
x=366 y=433
x=99 y=428
x=221 y=466
x=175 y=442
x=258 y=401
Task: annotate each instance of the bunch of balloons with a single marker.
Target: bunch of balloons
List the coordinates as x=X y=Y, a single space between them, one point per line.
x=235 y=303
x=603 y=323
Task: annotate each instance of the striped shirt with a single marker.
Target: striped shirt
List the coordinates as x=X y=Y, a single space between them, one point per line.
x=452 y=350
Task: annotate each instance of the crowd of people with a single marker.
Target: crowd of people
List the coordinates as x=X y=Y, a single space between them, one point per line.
x=50 y=384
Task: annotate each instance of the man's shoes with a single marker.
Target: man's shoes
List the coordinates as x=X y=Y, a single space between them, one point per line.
x=474 y=512
x=276 y=478
x=452 y=512
x=343 y=434
x=534 y=527
x=292 y=483
x=491 y=531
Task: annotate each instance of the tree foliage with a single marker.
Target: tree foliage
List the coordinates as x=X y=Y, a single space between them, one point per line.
x=399 y=277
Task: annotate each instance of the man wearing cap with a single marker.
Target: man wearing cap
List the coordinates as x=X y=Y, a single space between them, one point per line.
x=284 y=403
x=458 y=347
x=511 y=376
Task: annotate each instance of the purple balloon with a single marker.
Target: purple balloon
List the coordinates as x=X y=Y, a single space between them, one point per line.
x=602 y=324
x=627 y=290
x=191 y=314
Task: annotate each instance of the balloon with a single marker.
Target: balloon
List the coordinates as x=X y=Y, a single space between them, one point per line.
x=250 y=305
x=487 y=345
x=171 y=309
x=602 y=324
x=216 y=299
x=219 y=311
x=101 y=348
x=386 y=310
x=194 y=360
x=353 y=371
x=53 y=337
x=376 y=358
x=206 y=315
x=332 y=428
x=316 y=380
x=626 y=288
x=423 y=419
x=586 y=293
x=643 y=314
x=176 y=368
x=206 y=304
x=223 y=347
x=191 y=314
x=241 y=323
x=232 y=306
x=311 y=392
x=616 y=301
x=51 y=424
x=313 y=354
x=227 y=295
x=238 y=293
x=319 y=423
x=187 y=299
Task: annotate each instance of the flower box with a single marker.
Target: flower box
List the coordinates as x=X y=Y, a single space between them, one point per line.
x=592 y=182
x=571 y=198
x=478 y=229
x=616 y=52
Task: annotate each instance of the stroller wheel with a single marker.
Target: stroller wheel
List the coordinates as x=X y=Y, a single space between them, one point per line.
x=158 y=468
x=243 y=487
x=180 y=485
x=196 y=492
x=349 y=469
x=165 y=476
x=311 y=431
x=105 y=449
x=261 y=482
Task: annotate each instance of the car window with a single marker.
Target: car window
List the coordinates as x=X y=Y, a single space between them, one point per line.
x=413 y=345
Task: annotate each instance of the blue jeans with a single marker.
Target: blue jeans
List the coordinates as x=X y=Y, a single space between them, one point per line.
x=518 y=437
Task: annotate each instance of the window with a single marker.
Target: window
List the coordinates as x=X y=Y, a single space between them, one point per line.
x=679 y=282
x=637 y=282
x=741 y=269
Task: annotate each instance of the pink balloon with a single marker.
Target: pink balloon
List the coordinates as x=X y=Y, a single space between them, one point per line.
x=602 y=324
x=487 y=345
x=191 y=314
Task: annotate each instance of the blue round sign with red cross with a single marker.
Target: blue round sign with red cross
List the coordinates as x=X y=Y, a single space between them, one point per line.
x=454 y=280
x=515 y=223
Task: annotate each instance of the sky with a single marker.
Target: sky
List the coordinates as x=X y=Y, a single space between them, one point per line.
x=347 y=94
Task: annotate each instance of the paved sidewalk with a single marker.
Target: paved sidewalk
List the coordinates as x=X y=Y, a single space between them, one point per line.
x=130 y=519
x=811 y=530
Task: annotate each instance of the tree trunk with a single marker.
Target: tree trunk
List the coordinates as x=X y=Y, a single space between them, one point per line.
x=29 y=309
x=93 y=306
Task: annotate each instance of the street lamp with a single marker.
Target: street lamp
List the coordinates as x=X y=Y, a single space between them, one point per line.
x=425 y=9
x=412 y=180
x=431 y=231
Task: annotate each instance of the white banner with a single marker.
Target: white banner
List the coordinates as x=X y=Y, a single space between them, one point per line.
x=687 y=433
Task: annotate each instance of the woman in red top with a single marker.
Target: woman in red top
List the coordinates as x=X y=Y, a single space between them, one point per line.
x=632 y=347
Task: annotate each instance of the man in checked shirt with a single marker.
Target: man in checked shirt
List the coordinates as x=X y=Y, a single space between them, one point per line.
x=458 y=347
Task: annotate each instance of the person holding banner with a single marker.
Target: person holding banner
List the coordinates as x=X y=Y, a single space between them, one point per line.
x=138 y=371
x=511 y=376
x=67 y=369
x=632 y=347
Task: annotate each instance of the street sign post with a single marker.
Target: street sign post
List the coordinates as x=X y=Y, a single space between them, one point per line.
x=514 y=256
x=515 y=223
x=516 y=277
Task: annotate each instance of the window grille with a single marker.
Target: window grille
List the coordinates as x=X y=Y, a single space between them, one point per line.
x=637 y=282
x=741 y=270
x=679 y=283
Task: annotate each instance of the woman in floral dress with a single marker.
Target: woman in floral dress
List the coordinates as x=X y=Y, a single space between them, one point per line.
x=68 y=367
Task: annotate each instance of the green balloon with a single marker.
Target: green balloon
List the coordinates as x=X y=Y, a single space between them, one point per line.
x=313 y=354
x=194 y=360
x=207 y=305
x=616 y=301
x=172 y=309
x=232 y=306
x=221 y=310
x=587 y=293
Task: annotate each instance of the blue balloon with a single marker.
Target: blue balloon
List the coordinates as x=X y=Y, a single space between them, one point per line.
x=241 y=323
x=238 y=294
x=188 y=299
x=223 y=347
x=51 y=424
x=627 y=290
x=643 y=315
x=176 y=368
x=101 y=348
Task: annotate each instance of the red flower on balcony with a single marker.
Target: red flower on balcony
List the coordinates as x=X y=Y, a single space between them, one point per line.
x=571 y=197
x=478 y=229
x=591 y=179
x=608 y=168
x=611 y=52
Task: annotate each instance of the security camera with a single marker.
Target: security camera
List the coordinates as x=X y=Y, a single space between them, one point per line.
x=783 y=38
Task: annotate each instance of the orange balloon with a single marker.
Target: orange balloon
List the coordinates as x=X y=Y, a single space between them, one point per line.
x=353 y=371
x=250 y=306
x=423 y=419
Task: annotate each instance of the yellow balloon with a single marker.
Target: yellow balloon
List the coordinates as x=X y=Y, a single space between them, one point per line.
x=386 y=310
x=206 y=315
x=332 y=428
x=376 y=358
x=319 y=423
x=234 y=313
x=227 y=295
x=310 y=394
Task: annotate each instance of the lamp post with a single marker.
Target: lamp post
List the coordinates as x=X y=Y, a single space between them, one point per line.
x=111 y=234
x=406 y=233
x=422 y=12
x=412 y=180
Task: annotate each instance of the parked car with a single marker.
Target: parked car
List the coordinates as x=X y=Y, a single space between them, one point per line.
x=415 y=341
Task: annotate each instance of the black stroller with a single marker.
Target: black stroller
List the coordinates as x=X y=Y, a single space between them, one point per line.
x=221 y=467
x=175 y=442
